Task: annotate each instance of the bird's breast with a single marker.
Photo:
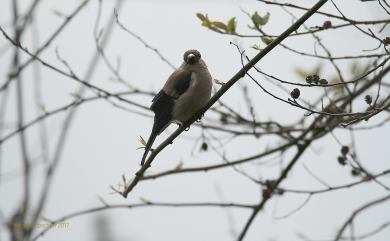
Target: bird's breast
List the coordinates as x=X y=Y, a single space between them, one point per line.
x=195 y=98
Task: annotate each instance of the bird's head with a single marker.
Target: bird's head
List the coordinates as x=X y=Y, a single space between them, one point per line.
x=192 y=56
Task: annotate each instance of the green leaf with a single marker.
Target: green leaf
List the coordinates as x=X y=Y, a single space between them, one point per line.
x=220 y=25
x=206 y=23
x=231 y=25
x=201 y=16
x=205 y=20
x=258 y=20
x=219 y=82
x=265 y=19
x=179 y=165
x=266 y=40
x=142 y=141
x=255 y=46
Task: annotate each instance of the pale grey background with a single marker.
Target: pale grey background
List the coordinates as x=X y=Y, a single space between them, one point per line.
x=103 y=139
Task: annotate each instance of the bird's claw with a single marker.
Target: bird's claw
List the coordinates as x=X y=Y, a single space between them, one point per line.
x=200 y=116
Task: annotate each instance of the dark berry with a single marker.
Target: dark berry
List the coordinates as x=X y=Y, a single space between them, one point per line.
x=327 y=24
x=344 y=150
x=342 y=160
x=355 y=172
x=204 y=146
x=295 y=93
x=323 y=82
x=309 y=79
x=386 y=41
x=316 y=79
x=368 y=99
x=223 y=118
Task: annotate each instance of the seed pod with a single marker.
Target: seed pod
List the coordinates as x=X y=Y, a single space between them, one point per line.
x=355 y=172
x=323 y=82
x=344 y=150
x=368 y=99
x=327 y=24
x=204 y=146
x=386 y=41
x=342 y=160
x=316 y=79
x=295 y=93
x=309 y=79
x=223 y=118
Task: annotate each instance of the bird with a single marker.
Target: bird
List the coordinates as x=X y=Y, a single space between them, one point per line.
x=187 y=90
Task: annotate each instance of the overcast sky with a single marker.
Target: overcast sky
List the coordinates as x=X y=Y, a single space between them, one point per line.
x=103 y=139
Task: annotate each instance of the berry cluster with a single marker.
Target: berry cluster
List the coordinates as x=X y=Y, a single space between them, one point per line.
x=316 y=80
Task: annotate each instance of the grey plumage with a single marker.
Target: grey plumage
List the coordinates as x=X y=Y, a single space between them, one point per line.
x=186 y=91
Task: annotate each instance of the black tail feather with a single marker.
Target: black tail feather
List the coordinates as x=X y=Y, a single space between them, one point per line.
x=149 y=144
x=162 y=107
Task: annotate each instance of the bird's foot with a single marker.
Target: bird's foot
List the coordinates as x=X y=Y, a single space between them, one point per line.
x=200 y=116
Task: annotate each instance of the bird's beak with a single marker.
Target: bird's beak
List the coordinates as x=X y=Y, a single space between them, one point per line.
x=191 y=59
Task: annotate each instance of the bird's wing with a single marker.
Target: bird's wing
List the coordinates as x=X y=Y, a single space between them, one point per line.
x=163 y=103
x=162 y=107
x=178 y=82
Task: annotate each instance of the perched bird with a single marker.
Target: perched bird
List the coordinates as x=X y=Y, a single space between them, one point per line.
x=186 y=91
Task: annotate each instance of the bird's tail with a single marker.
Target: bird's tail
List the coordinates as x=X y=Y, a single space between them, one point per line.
x=149 y=144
